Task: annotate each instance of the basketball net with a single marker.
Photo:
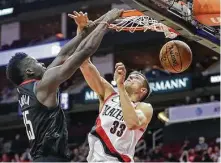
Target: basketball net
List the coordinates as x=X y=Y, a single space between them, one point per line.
x=141 y=22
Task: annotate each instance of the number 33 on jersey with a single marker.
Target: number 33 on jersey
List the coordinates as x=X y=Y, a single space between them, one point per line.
x=112 y=132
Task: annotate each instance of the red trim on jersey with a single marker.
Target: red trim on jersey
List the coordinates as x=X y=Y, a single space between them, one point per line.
x=112 y=94
x=100 y=131
x=28 y=81
x=142 y=130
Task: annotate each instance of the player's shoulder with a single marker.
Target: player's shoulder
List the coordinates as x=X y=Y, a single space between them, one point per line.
x=145 y=107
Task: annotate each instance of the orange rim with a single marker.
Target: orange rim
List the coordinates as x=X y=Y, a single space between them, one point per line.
x=129 y=13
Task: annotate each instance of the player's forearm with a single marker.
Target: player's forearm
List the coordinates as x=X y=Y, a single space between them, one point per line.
x=72 y=45
x=130 y=117
x=92 y=77
x=86 y=48
x=67 y=50
x=93 y=40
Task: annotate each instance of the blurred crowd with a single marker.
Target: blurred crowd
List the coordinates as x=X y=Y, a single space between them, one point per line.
x=202 y=151
x=8 y=95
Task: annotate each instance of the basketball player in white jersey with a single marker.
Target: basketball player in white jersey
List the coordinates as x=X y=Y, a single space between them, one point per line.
x=123 y=118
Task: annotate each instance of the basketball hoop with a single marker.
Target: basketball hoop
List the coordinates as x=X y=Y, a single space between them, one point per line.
x=134 y=20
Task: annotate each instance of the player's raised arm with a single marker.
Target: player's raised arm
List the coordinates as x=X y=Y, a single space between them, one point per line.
x=135 y=117
x=55 y=76
x=85 y=27
x=95 y=80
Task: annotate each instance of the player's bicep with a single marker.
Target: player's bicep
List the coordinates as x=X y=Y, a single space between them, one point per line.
x=51 y=79
x=96 y=81
x=144 y=112
x=58 y=61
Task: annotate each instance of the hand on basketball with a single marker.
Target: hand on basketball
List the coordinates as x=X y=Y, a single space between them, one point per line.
x=120 y=74
x=80 y=18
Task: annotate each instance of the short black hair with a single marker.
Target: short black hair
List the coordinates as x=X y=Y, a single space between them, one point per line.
x=13 y=71
x=146 y=84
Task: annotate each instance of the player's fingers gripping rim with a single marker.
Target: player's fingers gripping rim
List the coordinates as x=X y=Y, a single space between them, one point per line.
x=119 y=63
x=76 y=13
x=121 y=68
x=86 y=16
x=81 y=13
x=72 y=16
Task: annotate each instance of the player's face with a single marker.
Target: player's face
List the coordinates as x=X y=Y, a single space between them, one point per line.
x=35 y=68
x=134 y=83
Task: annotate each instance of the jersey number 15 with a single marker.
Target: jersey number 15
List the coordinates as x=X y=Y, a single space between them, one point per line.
x=28 y=125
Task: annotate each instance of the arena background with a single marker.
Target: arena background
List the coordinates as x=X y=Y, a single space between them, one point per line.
x=186 y=121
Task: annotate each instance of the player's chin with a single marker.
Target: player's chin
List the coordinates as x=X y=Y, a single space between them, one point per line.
x=127 y=84
x=42 y=73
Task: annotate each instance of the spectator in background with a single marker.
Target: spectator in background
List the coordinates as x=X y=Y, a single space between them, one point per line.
x=191 y=155
x=201 y=145
x=187 y=100
x=75 y=155
x=7 y=147
x=198 y=100
x=206 y=158
x=218 y=140
x=217 y=150
x=185 y=146
x=171 y=158
x=212 y=98
x=216 y=154
x=5 y=158
x=156 y=154
x=1 y=145
x=136 y=159
x=26 y=157
x=184 y=157
x=17 y=145
x=16 y=158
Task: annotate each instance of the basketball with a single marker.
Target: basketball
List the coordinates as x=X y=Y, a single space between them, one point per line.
x=175 y=56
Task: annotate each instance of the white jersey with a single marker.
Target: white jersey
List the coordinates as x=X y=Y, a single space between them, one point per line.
x=110 y=139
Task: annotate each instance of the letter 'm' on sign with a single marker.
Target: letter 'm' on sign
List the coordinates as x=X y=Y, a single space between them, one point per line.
x=90 y=95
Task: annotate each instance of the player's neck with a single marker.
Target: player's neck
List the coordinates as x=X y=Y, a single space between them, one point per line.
x=133 y=97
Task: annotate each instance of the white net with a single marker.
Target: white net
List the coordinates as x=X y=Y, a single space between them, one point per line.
x=134 y=23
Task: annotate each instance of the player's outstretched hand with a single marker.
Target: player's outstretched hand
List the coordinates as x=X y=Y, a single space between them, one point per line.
x=112 y=15
x=80 y=18
x=120 y=74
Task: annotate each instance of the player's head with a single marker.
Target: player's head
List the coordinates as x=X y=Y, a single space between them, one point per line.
x=22 y=67
x=138 y=85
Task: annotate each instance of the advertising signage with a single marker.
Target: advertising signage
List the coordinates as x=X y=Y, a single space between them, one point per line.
x=215 y=79
x=172 y=84
x=44 y=51
x=166 y=85
x=90 y=96
x=6 y=11
x=194 y=112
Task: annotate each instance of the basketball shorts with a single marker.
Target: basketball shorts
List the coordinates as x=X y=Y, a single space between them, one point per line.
x=96 y=153
x=50 y=159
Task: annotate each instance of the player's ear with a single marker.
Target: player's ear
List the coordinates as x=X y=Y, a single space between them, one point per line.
x=144 y=90
x=29 y=72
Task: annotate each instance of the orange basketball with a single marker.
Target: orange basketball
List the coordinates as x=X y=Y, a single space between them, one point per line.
x=175 y=56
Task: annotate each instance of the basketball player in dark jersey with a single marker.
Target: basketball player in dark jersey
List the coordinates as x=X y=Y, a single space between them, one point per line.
x=39 y=94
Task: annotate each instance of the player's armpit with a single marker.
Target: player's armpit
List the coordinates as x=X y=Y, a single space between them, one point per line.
x=46 y=89
x=96 y=82
x=144 y=112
